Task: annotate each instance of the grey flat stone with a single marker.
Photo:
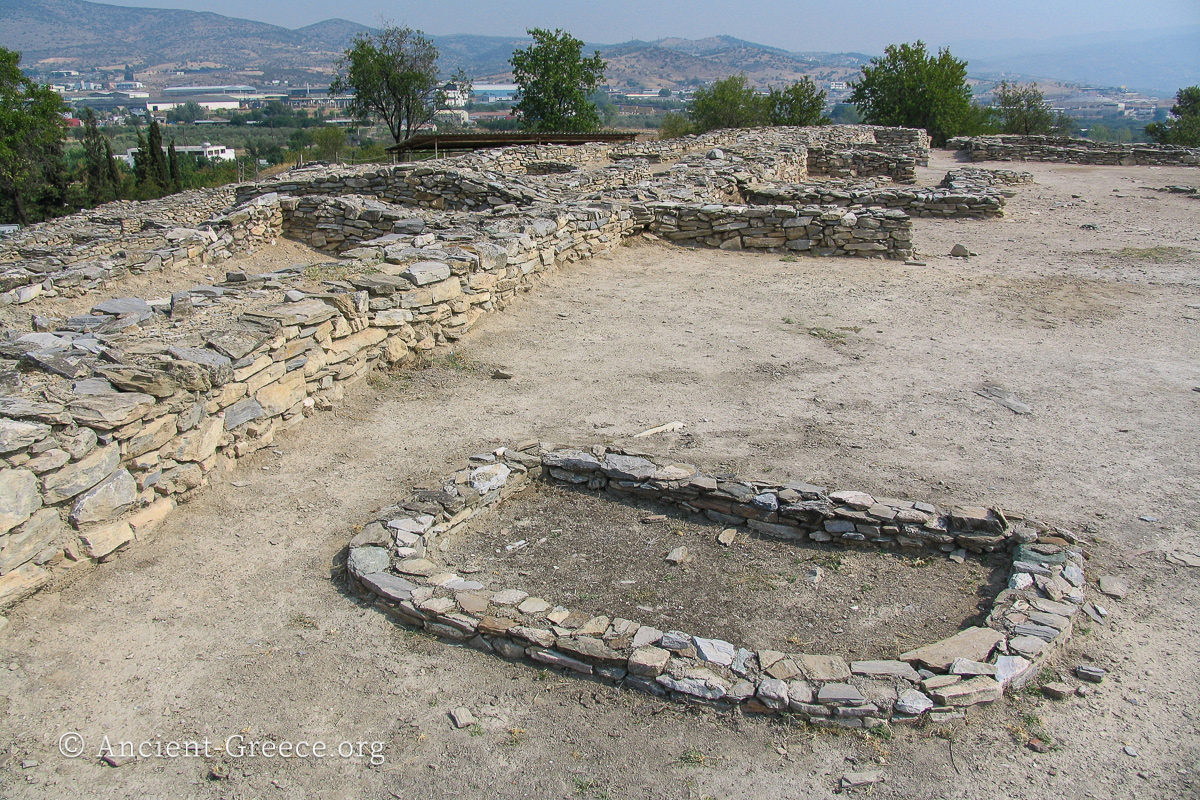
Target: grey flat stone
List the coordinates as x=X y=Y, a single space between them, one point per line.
x=885 y=669
x=426 y=272
x=368 y=560
x=385 y=584
x=573 y=460
x=19 y=497
x=840 y=694
x=715 y=650
x=913 y=702
x=105 y=500
x=628 y=468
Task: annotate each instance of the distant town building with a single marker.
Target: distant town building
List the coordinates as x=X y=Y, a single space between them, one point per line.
x=494 y=92
x=213 y=152
x=209 y=102
x=455 y=96
x=228 y=89
x=122 y=86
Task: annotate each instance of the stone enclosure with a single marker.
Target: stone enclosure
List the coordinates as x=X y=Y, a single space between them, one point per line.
x=111 y=417
x=395 y=561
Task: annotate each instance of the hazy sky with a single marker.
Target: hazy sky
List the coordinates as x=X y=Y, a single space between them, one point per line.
x=827 y=25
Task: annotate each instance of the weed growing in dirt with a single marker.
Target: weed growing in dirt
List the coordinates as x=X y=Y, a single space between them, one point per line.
x=588 y=787
x=454 y=361
x=516 y=736
x=825 y=334
x=302 y=621
x=830 y=561
x=691 y=756
x=1155 y=255
x=475 y=730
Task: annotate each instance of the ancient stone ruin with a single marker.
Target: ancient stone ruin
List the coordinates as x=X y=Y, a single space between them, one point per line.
x=395 y=561
x=110 y=418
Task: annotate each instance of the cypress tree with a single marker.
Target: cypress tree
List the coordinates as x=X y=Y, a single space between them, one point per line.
x=141 y=161
x=158 y=172
x=95 y=170
x=114 y=174
x=173 y=165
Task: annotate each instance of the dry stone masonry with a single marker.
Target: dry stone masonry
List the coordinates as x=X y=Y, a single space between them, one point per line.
x=394 y=561
x=1065 y=150
x=111 y=417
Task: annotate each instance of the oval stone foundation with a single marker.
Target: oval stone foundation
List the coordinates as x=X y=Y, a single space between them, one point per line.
x=400 y=562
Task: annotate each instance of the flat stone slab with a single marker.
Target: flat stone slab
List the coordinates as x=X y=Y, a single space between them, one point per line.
x=823 y=668
x=715 y=650
x=913 y=702
x=974 y=644
x=885 y=669
x=840 y=694
x=980 y=689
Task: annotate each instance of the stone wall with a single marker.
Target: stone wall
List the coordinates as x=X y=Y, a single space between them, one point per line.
x=811 y=230
x=965 y=192
x=395 y=562
x=1073 y=151
x=109 y=253
x=140 y=419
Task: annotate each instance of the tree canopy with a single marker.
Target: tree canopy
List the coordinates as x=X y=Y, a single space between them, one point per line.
x=33 y=179
x=733 y=103
x=908 y=87
x=1024 y=110
x=1184 y=126
x=394 y=75
x=555 y=80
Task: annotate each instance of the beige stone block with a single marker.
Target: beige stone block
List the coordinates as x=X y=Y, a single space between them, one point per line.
x=272 y=373
x=104 y=539
x=146 y=521
x=198 y=443
x=278 y=397
x=22 y=582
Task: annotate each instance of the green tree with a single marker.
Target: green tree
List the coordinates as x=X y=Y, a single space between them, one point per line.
x=141 y=161
x=554 y=80
x=33 y=178
x=394 y=76
x=189 y=112
x=799 y=104
x=675 y=125
x=98 y=167
x=1184 y=126
x=173 y=168
x=910 y=88
x=329 y=141
x=114 y=172
x=729 y=103
x=158 y=172
x=1024 y=110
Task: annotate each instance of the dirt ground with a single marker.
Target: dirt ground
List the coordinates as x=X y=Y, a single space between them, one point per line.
x=228 y=623
x=590 y=552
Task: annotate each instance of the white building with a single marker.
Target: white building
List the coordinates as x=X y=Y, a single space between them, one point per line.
x=213 y=152
x=211 y=102
x=495 y=92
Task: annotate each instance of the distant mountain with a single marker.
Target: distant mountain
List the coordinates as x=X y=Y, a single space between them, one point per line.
x=1148 y=60
x=76 y=32
x=335 y=34
x=81 y=34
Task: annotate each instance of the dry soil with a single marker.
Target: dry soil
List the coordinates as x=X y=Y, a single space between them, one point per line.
x=850 y=373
